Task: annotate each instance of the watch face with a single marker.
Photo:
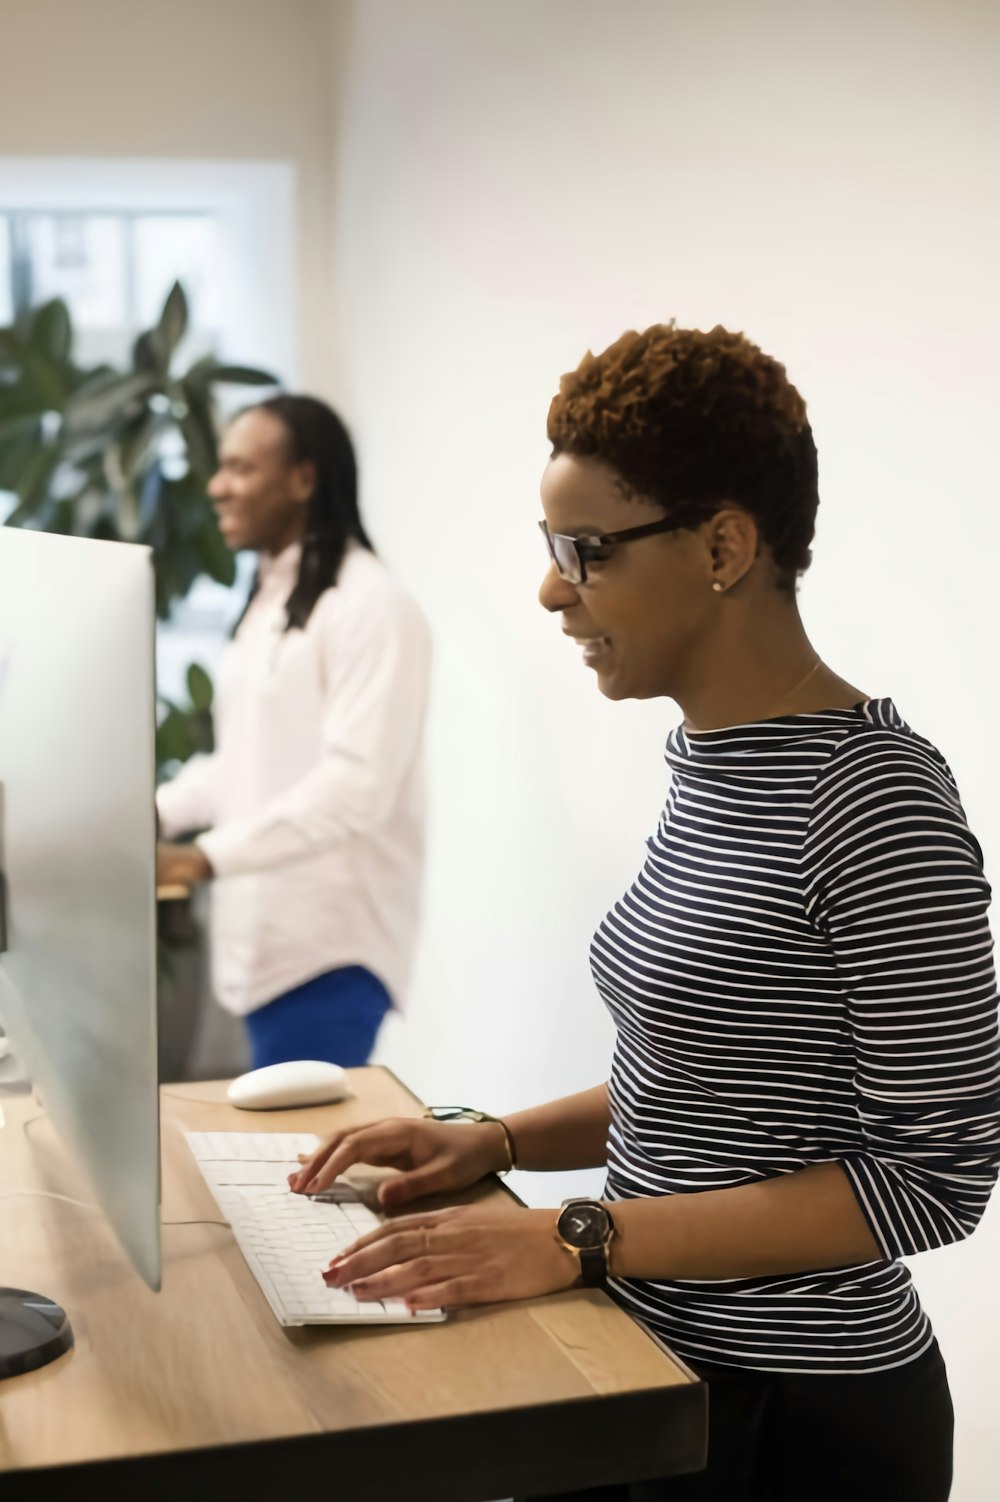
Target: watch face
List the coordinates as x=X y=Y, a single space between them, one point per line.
x=584 y=1226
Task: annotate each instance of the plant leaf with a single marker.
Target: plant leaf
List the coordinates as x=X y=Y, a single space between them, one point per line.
x=198 y=428
x=146 y=355
x=218 y=562
x=11 y=346
x=36 y=473
x=240 y=375
x=20 y=439
x=173 y=323
x=138 y=439
x=181 y=733
x=199 y=375
x=51 y=332
x=42 y=387
x=128 y=514
x=199 y=686
x=109 y=397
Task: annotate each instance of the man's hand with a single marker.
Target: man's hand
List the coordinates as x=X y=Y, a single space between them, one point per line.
x=182 y=866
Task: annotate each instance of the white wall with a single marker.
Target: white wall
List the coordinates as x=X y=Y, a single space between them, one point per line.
x=518 y=182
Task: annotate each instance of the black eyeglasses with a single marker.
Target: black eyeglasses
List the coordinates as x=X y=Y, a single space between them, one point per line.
x=572 y=554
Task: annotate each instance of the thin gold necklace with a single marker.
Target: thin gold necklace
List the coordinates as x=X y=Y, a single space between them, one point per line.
x=803 y=681
x=788 y=695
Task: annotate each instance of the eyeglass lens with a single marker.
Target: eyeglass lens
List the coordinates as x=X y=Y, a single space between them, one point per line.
x=562 y=551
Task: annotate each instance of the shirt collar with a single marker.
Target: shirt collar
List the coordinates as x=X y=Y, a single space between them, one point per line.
x=277 y=575
x=745 y=748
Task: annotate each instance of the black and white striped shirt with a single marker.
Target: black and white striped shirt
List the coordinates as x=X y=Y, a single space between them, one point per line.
x=802 y=972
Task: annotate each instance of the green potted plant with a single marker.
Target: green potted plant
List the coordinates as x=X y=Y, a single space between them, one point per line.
x=124 y=455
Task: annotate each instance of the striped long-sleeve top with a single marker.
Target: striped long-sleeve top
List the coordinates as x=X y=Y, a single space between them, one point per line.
x=802 y=972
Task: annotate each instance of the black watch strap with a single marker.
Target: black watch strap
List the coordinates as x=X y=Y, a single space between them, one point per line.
x=593 y=1266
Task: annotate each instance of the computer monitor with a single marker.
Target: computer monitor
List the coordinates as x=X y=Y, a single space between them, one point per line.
x=78 y=874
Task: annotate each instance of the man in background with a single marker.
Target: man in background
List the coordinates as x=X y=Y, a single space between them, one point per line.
x=312 y=803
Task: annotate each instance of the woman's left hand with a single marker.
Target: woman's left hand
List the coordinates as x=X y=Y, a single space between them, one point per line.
x=452 y=1258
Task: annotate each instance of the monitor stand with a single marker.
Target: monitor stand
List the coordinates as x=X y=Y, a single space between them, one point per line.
x=33 y=1331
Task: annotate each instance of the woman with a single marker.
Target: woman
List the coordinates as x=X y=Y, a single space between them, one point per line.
x=312 y=802
x=805 y=1083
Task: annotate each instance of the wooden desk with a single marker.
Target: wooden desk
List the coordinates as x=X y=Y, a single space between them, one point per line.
x=197 y=1388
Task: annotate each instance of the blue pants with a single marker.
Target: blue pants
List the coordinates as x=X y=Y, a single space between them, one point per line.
x=335 y=1017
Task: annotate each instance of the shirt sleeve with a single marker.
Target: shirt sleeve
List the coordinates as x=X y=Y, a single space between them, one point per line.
x=376 y=655
x=188 y=801
x=894 y=879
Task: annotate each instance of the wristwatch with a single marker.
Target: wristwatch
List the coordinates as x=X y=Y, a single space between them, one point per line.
x=586 y=1229
x=468 y=1113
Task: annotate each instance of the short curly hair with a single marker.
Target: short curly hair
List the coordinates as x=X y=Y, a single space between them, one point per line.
x=691 y=421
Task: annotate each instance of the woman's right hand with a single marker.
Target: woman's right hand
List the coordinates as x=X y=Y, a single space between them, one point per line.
x=432 y=1157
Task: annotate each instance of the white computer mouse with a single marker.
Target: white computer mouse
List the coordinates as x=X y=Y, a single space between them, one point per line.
x=301 y=1082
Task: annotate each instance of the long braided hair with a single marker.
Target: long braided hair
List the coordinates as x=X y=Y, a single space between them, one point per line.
x=318 y=437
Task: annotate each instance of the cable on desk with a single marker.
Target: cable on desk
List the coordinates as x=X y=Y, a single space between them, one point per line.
x=67 y=1199
x=48 y=1194
x=198 y=1100
x=45 y=1194
x=223 y=1223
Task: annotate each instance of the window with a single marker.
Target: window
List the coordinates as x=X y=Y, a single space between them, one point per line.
x=113 y=271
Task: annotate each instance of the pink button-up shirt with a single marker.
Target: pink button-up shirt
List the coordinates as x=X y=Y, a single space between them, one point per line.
x=313 y=799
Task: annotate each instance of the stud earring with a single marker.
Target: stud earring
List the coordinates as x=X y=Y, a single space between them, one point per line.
x=717 y=586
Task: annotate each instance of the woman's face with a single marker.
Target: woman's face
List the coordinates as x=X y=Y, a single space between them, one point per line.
x=647 y=610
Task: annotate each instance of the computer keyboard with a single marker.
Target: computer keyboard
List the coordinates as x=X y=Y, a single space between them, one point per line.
x=288 y=1239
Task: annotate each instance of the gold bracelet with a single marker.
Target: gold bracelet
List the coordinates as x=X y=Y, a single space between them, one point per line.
x=468 y=1113
x=508 y=1138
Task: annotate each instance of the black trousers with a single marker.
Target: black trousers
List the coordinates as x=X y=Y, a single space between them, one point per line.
x=885 y=1437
